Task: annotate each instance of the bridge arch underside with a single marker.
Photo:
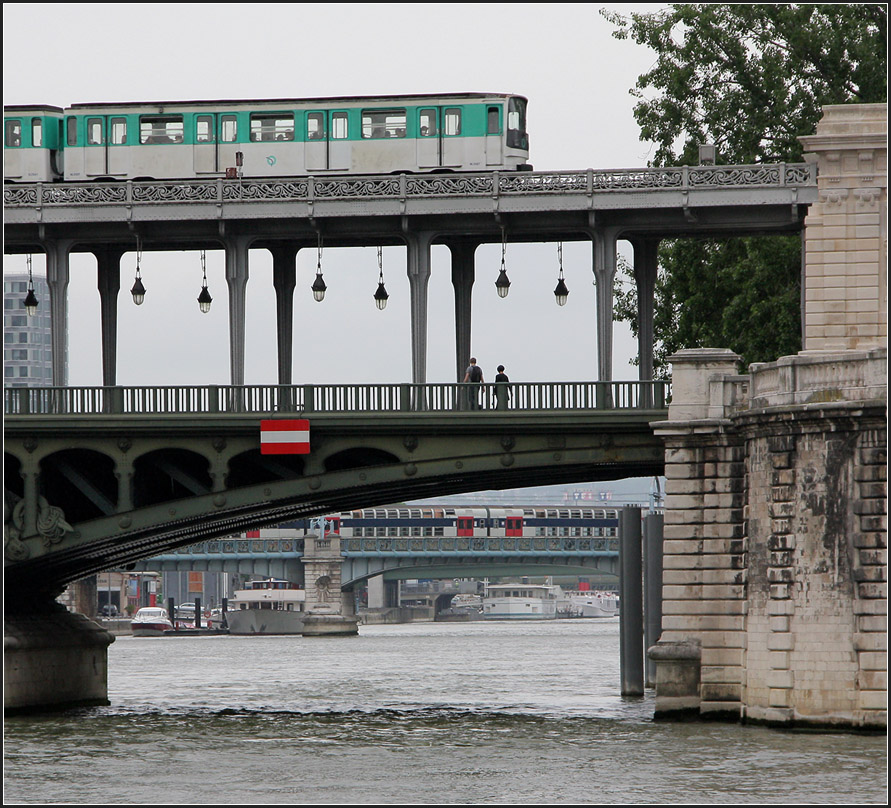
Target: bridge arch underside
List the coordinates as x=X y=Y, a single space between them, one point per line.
x=217 y=487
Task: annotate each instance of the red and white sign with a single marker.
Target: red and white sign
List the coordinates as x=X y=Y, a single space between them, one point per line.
x=282 y=436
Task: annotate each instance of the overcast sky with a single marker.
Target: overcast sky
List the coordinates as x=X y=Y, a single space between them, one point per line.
x=561 y=56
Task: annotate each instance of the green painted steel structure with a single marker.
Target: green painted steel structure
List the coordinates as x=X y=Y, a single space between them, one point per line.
x=100 y=478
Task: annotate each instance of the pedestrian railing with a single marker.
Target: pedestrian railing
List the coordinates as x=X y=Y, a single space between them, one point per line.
x=336 y=398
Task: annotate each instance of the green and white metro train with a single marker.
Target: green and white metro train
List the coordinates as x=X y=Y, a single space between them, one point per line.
x=272 y=138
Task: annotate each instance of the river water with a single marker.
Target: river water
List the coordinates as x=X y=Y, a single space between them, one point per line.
x=504 y=712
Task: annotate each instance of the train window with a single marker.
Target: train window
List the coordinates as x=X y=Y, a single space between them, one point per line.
x=13 y=133
x=339 y=126
x=161 y=129
x=428 y=123
x=118 y=131
x=204 y=129
x=72 y=130
x=36 y=132
x=94 y=132
x=451 y=121
x=228 y=129
x=383 y=123
x=493 y=121
x=315 y=126
x=276 y=126
x=516 y=123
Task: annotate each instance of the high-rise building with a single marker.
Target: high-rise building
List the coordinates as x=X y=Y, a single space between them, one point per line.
x=27 y=340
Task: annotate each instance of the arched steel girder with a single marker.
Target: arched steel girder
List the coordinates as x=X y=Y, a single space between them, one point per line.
x=432 y=457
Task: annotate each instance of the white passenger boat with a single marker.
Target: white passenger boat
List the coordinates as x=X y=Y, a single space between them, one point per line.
x=520 y=602
x=150 y=621
x=592 y=604
x=269 y=606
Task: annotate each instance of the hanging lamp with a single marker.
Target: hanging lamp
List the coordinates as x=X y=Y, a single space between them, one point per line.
x=381 y=296
x=561 y=292
x=318 y=285
x=204 y=299
x=502 y=285
x=138 y=290
x=30 y=302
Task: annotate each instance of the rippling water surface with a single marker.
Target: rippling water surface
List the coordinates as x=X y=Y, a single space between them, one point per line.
x=521 y=712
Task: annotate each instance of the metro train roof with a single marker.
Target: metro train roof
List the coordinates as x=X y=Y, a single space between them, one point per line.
x=326 y=100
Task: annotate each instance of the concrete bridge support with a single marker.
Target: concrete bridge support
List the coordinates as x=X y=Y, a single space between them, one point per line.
x=53 y=660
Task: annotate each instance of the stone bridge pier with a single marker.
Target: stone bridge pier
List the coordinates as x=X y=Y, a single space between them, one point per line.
x=775 y=552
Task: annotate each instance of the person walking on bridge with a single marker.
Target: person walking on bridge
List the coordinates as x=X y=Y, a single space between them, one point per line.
x=502 y=389
x=474 y=375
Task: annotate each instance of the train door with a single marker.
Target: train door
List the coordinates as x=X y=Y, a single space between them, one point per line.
x=513 y=526
x=440 y=144
x=205 y=154
x=12 y=152
x=105 y=152
x=327 y=140
x=494 y=139
x=465 y=526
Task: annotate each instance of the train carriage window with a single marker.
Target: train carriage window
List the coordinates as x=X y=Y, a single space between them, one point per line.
x=493 y=121
x=451 y=122
x=36 y=132
x=72 y=130
x=94 y=132
x=379 y=123
x=272 y=126
x=161 y=129
x=204 y=129
x=339 y=126
x=228 y=129
x=315 y=126
x=13 y=133
x=427 y=123
x=516 y=124
x=118 y=131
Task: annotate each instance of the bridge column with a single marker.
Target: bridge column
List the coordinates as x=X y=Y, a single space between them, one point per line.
x=108 y=273
x=463 y=275
x=646 y=255
x=284 y=281
x=418 y=277
x=53 y=659
x=326 y=610
x=57 y=279
x=236 y=279
x=604 y=275
x=124 y=473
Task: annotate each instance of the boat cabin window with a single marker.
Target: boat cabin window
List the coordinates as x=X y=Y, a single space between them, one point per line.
x=156 y=129
x=13 y=133
x=272 y=126
x=381 y=123
x=118 y=131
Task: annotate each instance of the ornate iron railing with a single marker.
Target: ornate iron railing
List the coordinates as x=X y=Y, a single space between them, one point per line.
x=405 y=186
x=336 y=398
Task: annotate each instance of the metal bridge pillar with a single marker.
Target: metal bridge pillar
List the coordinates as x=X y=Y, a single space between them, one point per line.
x=646 y=255
x=604 y=274
x=631 y=635
x=463 y=275
x=108 y=276
x=57 y=279
x=418 y=277
x=652 y=535
x=236 y=279
x=284 y=280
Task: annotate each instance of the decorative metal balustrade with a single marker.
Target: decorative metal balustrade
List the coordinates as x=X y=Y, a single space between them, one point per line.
x=405 y=547
x=404 y=186
x=336 y=398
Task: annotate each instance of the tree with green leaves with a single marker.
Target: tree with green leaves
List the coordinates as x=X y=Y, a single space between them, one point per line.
x=751 y=79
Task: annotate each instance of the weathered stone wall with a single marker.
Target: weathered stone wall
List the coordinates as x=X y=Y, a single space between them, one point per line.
x=775 y=560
